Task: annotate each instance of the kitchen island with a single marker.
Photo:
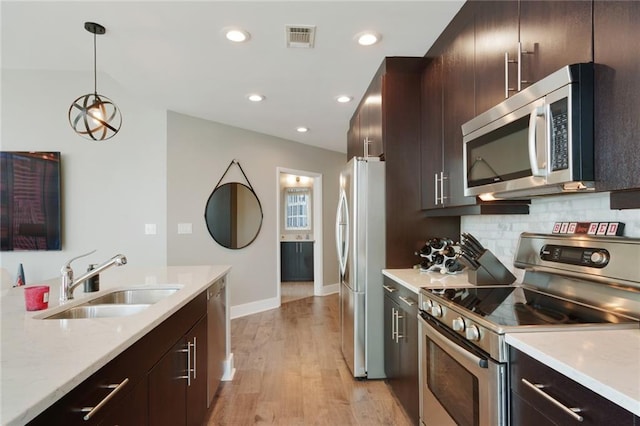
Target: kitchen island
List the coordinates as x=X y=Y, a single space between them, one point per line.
x=44 y=359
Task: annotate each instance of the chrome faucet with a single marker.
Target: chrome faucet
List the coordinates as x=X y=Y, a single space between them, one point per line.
x=68 y=284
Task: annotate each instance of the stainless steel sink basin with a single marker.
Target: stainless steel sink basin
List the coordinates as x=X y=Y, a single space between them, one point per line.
x=99 y=311
x=134 y=296
x=118 y=303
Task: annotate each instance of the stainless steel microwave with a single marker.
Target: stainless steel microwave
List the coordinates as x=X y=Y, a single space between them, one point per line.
x=538 y=142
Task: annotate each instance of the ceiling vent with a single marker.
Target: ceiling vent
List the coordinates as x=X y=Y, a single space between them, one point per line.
x=300 y=35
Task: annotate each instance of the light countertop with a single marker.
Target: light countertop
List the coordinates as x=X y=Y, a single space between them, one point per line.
x=605 y=361
x=414 y=279
x=42 y=360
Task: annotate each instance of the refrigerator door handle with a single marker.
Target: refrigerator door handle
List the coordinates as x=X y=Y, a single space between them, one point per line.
x=342 y=232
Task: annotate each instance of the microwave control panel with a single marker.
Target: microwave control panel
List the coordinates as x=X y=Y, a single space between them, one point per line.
x=559 y=135
x=583 y=256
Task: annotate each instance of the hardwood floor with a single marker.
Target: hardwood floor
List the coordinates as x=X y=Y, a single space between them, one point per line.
x=295 y=290
x=290 y=371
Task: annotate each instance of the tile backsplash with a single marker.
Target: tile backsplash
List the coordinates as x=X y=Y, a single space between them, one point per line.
x=500 y=233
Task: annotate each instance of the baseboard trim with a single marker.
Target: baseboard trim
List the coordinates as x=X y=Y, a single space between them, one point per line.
x=239 y=311
x=251 y=308
x=228 y=369
x=330 y=289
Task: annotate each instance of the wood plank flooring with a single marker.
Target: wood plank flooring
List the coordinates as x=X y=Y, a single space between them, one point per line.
x=294 y=290
x=290 y=371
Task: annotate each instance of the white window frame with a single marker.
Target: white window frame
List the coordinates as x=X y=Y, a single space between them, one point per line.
x=297 y=208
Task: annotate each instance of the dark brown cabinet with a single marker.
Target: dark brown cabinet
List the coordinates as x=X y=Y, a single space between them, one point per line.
x=496 y=36
x=401 y=345
x=365 y=136
x=617 y=105
x=551 y=34
x=146 y=384
x=457 y=108
x=178 y=383
x=542 y=396
x=394 y=97
x=556 y=33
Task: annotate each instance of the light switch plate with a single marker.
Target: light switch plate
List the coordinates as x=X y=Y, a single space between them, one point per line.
x=150 y=229
x=185 y=228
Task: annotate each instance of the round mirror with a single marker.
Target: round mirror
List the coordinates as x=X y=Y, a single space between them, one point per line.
x=233 y=215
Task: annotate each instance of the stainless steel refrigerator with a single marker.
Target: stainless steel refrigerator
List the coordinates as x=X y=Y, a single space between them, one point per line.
x=360 y=239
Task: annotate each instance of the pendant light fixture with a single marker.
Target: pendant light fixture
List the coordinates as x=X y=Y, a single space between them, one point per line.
x=94 y=116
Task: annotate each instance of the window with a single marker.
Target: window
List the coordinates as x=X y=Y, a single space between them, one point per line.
x=297 y=205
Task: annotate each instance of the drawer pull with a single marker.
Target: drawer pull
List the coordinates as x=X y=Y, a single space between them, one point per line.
x=407 y=301
x=389 y=289
x=573 y=412
x=93 y=410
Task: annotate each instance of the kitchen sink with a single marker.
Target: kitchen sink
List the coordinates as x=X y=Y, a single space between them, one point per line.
x=99 y=311
x=118 y=303
x=134 y=296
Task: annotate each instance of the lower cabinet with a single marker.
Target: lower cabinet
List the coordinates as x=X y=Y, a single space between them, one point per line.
x=296 y=261
x=541 y=396
x=177 y=393
x=401 y=346
x=159 y=380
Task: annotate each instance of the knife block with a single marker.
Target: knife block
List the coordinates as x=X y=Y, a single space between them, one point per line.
x=490 y=272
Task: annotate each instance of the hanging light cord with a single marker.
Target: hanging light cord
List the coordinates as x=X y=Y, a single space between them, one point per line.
x=95 y=72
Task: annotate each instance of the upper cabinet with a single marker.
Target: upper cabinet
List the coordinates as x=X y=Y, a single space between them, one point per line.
x=389 y=119
x=448 y=100
x=554 y=34
x=617 y=105
x=496 y=44
x=519 y=43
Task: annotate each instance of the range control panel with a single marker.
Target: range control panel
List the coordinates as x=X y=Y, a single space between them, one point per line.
x=583 y=256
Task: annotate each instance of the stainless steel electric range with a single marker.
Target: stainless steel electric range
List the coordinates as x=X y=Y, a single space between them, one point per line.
x=570 y=283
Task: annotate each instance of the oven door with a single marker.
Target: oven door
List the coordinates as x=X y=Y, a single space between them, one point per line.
x=459 y=385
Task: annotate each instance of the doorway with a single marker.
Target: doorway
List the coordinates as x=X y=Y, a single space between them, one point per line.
x=299 y=231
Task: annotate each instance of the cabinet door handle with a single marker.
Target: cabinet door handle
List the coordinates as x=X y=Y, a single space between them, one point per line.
x=398 y=318
x=507 y=61
x=520 y=53
x=195 y=350
x=188 y=351
x=93 y=410
x=389 y=289
x=573 y=412
x=407 y=301
x=435 y=189
x=393 y=324
x=442 y=179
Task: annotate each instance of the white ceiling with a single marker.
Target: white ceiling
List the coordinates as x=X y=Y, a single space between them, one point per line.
x=174 y=54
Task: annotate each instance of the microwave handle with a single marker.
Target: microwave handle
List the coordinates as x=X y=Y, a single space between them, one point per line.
x=533 y=157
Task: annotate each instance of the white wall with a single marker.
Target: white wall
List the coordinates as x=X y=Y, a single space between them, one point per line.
x=499 y=233
x=110 y=189
x=198 y=152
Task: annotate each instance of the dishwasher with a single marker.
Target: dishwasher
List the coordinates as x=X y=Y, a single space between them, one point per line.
x=217 y=336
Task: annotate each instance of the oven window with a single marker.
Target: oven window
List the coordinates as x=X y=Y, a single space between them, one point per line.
x=455 y=388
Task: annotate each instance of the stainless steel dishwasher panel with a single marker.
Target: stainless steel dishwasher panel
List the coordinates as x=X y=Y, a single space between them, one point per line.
x=216 y=329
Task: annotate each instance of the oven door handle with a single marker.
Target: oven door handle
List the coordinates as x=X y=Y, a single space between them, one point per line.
x=452 y=341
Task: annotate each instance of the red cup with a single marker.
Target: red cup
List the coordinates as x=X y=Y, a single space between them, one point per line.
x=36 y=297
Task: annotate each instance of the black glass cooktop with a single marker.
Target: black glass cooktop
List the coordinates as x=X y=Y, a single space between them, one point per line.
x=515 y=306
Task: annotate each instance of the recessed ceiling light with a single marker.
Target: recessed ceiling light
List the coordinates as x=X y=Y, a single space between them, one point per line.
x=236 y=35
x=254 y=97
x=343 y=99
x=367 y=38
x=302 y=129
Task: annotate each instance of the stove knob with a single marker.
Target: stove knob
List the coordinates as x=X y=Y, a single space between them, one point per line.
x=426 y=305
x=436 y=311
x=599 y=257
x=458 y=324
x=472 y=333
